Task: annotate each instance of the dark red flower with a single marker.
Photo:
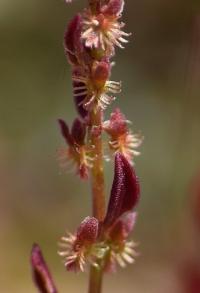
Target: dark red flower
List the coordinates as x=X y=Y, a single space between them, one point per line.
x=102 y=30
x=121 y=137
x=41 y=274
x=77 y=248
x=93 y=88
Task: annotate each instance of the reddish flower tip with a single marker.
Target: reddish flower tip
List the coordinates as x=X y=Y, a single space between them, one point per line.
x=78 y=131
x=125 y=190
x=117 y=125
x=88 y=230
x=41 y=274
x=65 y=131
x=72 y=37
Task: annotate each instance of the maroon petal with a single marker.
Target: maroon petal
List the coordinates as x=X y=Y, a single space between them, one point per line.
x=65 y=132
x=78 y=131
x=41 y=274
x=114 y=8
x=125 y=190
x=122 y=228
x=88 y=231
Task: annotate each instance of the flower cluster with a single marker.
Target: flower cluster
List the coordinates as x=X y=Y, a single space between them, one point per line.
x=105 y=243
x=89 y=43
x=103 y=30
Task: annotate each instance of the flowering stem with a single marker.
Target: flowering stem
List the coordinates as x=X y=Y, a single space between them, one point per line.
x=98 y=196
x=95 y=283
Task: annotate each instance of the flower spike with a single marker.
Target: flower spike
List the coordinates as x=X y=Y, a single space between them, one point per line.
x=41 y=274
x=125 y=190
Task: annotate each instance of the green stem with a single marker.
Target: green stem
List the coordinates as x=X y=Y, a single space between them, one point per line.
x=95 y=283
x=98 y=195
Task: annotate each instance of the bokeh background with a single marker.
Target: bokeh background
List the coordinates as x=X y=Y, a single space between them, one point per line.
x=160 y=70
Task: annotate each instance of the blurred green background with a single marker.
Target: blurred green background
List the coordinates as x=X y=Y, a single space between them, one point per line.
x=160 y=71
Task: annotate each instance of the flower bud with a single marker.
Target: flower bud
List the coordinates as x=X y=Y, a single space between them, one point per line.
x=100 y=73
x=77 y=249
x=121 y=138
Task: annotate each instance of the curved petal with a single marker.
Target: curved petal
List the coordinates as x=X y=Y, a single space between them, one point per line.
x=125 y=190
